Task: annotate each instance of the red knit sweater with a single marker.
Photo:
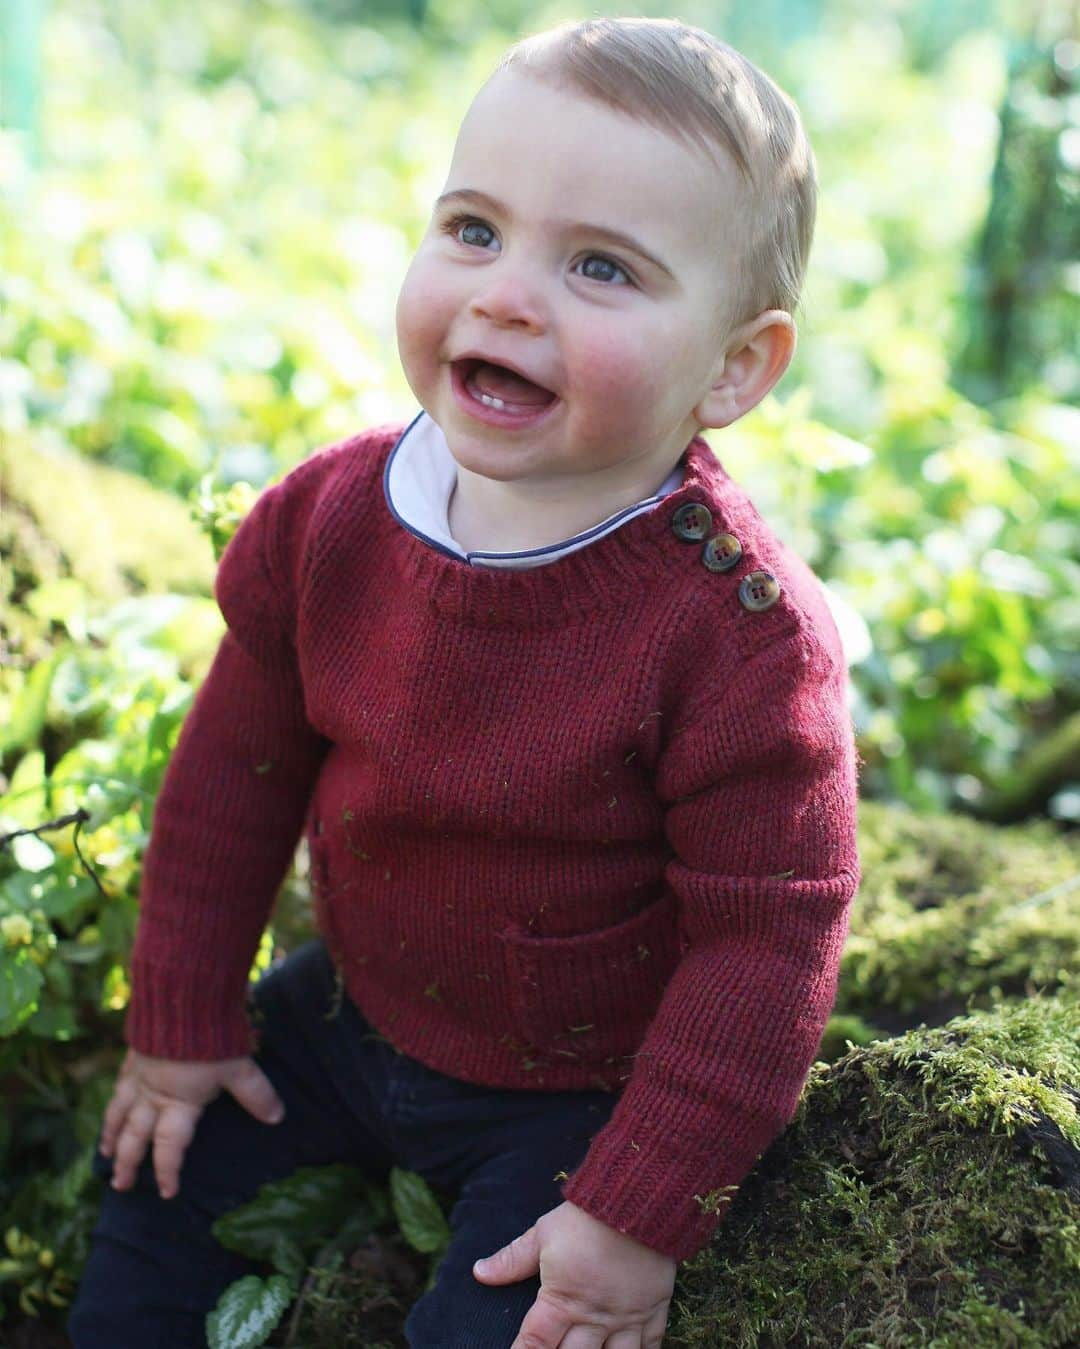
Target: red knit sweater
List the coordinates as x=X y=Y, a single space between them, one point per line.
x=590 y=824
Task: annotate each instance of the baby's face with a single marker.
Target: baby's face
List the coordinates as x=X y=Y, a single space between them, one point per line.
x=561 y=315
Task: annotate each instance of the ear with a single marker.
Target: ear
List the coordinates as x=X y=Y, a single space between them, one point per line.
x=754 y=357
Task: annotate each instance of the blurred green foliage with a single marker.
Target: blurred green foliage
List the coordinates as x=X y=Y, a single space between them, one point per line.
x=67 y=913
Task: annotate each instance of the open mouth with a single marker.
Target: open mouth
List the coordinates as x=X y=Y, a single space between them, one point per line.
x=506 y=396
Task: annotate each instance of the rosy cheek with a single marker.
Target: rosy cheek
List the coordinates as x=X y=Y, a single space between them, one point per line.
x=608 y=364
x=418 y=317
x=405 y=306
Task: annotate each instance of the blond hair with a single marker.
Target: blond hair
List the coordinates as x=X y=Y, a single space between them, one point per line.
x=689 y=83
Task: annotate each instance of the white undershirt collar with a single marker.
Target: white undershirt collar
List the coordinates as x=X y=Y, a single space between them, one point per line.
x=420 y=477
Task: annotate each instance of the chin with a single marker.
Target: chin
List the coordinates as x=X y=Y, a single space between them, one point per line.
x=486 y=461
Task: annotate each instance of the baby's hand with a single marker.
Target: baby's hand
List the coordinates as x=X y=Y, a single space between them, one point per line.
x=598 y=1287
x=162 y=1099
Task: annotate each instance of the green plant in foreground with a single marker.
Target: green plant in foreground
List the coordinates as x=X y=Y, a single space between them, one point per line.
x=86 y=738
x=286 y=1225
x=219 y=511
x=32 y=1266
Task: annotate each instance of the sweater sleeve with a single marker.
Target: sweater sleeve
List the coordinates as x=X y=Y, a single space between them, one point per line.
x=231 y=807
x=759 y=787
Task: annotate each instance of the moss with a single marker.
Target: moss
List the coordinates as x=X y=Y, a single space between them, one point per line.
x=927 y=1193
x=73 y=517
x=953 y=915
x=361 y=1304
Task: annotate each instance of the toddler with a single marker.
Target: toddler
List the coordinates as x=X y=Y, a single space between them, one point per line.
x=565 y=725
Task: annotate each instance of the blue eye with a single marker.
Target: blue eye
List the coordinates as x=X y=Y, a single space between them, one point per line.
x=475 y=233
x=598 y=268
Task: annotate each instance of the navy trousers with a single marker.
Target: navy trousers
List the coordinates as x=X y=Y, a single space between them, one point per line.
x=154 y=1269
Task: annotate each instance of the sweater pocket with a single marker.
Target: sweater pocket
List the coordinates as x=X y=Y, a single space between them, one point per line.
x=591 y=996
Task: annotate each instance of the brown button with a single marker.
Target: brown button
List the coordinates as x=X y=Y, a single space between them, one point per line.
x=721 y=552
x=760 y=590
x=692 y=522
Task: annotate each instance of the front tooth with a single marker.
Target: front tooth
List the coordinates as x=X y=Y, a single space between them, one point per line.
x=489 y=400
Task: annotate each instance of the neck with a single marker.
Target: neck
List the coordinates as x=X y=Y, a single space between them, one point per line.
x=504 y=517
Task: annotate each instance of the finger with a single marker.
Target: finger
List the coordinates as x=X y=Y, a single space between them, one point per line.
x=131 y=1145
x=587 y=1337
x=519 y=1259
x=116 y=1112
x=173 y=1132
x=655 y=1326
x=544 y=1326
x=253 y=1090
x=633 y=1337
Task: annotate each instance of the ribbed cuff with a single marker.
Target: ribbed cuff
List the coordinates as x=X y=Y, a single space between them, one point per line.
x=634 y=1182
x=183 y=1014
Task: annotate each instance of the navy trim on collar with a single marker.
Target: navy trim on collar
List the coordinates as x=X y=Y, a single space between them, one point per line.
x=557 y=549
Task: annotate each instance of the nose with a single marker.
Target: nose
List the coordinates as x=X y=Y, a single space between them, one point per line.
x=507 y=298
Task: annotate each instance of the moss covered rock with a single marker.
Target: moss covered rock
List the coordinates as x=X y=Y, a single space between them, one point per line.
x=927 y=1193
x=65 y=515
x=952 y=916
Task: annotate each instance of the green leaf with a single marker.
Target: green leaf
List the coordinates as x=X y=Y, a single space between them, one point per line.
x=27 y=719
x=195 y=629
x=117 y=926
x=361 y=1223
x=25 y=799
x=53 y=1022
x=422 y=1221
x=78 y=688
x=60 y=897
x=136 y=622
x=20 y=892
x=163 y=733
x=247 y=1312
x=62 y=599
x=80 y=952
x=66 y=1188
x=20 y=984
x=288 y=1259
x=310 y=1205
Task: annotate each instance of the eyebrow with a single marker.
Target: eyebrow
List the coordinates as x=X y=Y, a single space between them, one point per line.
x=482 y=199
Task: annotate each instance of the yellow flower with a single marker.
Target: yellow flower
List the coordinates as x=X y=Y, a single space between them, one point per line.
x=19 y=1244
x=116 y=991
x=240 y=498
x=17 y=930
